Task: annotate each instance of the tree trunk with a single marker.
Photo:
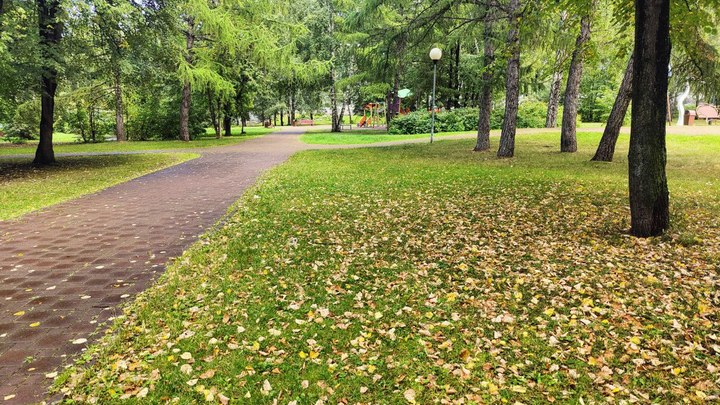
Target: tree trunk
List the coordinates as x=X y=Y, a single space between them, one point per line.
x=185 y=112
x=227 y=125
x=291 y=112
x=342 y=112
x=456 y=77
x=119 y=123
x=450 y=85
x=243 y=124
x=186 y=90
x=649 y=199
x=282 y=118
x=483 y=135
x=606 y=149
x=554 y=99
x=50 y=30
x=227 y=119
x=335 y=127
x=213 y=115
x=568 y=135
x=393 y=100
x=93 y=130
x=512 y=84
x=333 y=102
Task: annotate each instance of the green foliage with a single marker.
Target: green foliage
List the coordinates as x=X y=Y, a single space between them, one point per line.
x=25 y=122
x=159 y=118
x=531 y=114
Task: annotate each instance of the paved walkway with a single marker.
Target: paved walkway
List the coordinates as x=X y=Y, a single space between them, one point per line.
x=64 y=269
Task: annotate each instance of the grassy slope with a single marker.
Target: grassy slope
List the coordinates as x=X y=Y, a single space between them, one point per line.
x=202 y=142
x=425 y=272
x=24 y=188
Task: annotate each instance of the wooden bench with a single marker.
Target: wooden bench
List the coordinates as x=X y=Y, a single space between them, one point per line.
x=298 y=123
x=345 y=126
x=707 y=112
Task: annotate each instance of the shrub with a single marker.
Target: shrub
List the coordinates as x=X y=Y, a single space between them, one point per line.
x=531 y=114
x=159 y=118
x=25 y=122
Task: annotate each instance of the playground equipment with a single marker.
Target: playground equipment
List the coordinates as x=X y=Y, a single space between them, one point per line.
x=373 y=115
x=404 y=93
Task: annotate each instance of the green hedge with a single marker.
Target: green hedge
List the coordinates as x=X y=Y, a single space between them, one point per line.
x=531 y=114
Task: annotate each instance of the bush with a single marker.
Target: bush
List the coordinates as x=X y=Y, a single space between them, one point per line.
x=531 y=114
x=159 y=118
x=25 y=122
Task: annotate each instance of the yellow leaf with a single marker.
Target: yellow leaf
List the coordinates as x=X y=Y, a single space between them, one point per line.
x=34 y=324
x=19 y=313
x=314 y=354
x=302 y=355
x=549 y=312
x=635 y=340
x=409 y=395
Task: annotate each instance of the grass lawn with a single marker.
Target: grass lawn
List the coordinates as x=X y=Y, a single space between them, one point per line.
x=432 y=274
x=201 y=142
x=357 y=137
x=24 y=188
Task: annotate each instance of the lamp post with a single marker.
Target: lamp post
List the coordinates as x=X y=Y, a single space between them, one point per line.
x=435 y=55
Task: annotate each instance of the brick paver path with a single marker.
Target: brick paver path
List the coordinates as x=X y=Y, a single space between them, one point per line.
x=64 y=269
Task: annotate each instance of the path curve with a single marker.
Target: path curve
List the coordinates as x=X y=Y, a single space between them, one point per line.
x=65 y=268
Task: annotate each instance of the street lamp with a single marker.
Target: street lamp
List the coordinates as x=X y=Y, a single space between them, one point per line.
x=435 y=55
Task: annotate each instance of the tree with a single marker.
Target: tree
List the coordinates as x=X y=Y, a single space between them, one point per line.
x=649 y=197
x=568 y=138
x=483 y=134
x=512 y=83
x=560 y=56
x=50 y=30
x=606 y=149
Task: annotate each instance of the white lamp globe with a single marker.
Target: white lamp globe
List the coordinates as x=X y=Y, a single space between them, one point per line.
x=435 y=54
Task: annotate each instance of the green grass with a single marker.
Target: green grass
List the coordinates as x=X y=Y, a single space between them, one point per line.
x=358 y=137
x=201 y=142
x=430 y=273
x=236 y=131
x=24 y=188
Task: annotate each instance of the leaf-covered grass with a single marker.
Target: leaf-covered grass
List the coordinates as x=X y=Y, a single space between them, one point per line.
x=432 y=274
x=201 y=142
x=358 y=137
x=24 y=188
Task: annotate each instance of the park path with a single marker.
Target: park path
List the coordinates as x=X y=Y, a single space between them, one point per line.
x=64 y=269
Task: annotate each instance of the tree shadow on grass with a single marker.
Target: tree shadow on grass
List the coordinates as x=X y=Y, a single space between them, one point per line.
x=23 y=168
